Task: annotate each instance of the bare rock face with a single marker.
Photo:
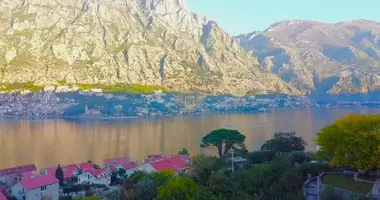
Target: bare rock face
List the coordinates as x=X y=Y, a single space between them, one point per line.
x=150 y=42
x=320 y=57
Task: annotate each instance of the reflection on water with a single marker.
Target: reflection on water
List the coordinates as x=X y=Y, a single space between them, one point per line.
x=49 y=142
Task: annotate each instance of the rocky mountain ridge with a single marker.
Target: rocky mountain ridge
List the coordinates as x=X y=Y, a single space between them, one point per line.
x=148 y=42
x=317 y=57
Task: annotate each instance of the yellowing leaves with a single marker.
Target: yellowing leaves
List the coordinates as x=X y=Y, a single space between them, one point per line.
x=352 y=141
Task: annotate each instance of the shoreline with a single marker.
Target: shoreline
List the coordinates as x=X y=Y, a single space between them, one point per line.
x=89 y=118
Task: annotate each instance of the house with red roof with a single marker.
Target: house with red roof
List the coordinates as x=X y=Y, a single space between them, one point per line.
x=68 y=172
x=95 y=176
x=11 y=176
x=153 y=158
x=37 y=187
x=109 y=162
x=178 y=161
x=163 y=165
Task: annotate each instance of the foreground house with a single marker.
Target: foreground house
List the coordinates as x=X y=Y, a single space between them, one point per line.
x=37 y=187
x=11 y=176
x=68 y=173
x=95 y=176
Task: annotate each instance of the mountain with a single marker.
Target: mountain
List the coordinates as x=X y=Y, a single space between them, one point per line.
x=317 y=57
x=147 y=42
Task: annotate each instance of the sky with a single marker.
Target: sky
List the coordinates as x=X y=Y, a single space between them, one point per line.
x=244 y=16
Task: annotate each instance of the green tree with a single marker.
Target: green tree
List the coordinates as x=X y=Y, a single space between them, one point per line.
x=146 y=189
x=160 y=178
x=184 y=151
x=121 y=172
x=203 y=166
x=223 y=140
x=59 y=175
x=284 y=142
x=179 y=188
x=257 y=157
x=353 y=141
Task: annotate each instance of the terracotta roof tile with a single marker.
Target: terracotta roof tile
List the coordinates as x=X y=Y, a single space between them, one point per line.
x=38 y=181
x=130 y=165
x=163 y=165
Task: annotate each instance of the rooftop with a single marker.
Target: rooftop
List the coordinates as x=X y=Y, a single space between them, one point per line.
x=38 y=181
x=129 y=165
x=2 y=196
x=162 y=165
x=177 y=161
x=153 y=158
x=95 y=172
x=19 y=169
x=84 y=166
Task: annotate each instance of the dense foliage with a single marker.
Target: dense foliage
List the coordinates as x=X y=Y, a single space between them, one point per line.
x=267 y=175
x=284 y=142
x=224 y=140
x=353 y=141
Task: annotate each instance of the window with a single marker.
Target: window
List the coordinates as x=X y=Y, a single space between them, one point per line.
x=43 y=188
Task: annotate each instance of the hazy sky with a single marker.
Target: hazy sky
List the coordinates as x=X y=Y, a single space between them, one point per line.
x=243 y=16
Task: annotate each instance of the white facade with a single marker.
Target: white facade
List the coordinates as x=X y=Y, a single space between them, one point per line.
x=96 y=90
x=50 y=192
x=144 y=167
x=104 y=178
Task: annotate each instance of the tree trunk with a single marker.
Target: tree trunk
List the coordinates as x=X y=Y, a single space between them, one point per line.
x=220 y=151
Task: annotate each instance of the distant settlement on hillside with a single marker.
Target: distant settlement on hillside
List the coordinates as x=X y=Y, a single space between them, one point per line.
x=64 y=101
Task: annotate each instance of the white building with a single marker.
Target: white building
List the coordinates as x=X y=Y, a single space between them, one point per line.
x=49 y=88
x=37 y=187
x=95 y=176
x=96 y=90
x=61 y=89
x=147 y=167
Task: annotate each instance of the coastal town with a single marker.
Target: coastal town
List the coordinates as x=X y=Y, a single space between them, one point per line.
x=81 y=179
x=69 y=102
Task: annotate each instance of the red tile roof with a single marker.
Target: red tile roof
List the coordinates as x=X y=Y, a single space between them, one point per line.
x=113 y=169
x=186 y=157
x=95 y=172
x=28 y=174
x=19 y=169
x=84 y=166
x=2 y=196
x=38 y=181
x=178 y=161
x=162 y=165
x=71 y=167
x=153 y=158
x=3 y=193
x=129 y=165
x=68 y=172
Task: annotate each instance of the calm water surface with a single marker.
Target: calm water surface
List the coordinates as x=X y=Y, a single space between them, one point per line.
x=49 y=142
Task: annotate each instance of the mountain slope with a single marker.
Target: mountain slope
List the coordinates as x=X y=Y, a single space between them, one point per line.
x=149 y=42
x=320 y=57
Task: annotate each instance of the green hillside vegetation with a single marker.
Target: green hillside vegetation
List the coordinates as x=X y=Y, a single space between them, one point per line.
x=127 y=88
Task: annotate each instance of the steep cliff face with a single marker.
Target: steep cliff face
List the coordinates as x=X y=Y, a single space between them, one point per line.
x=149 y=42
x=320 y=57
